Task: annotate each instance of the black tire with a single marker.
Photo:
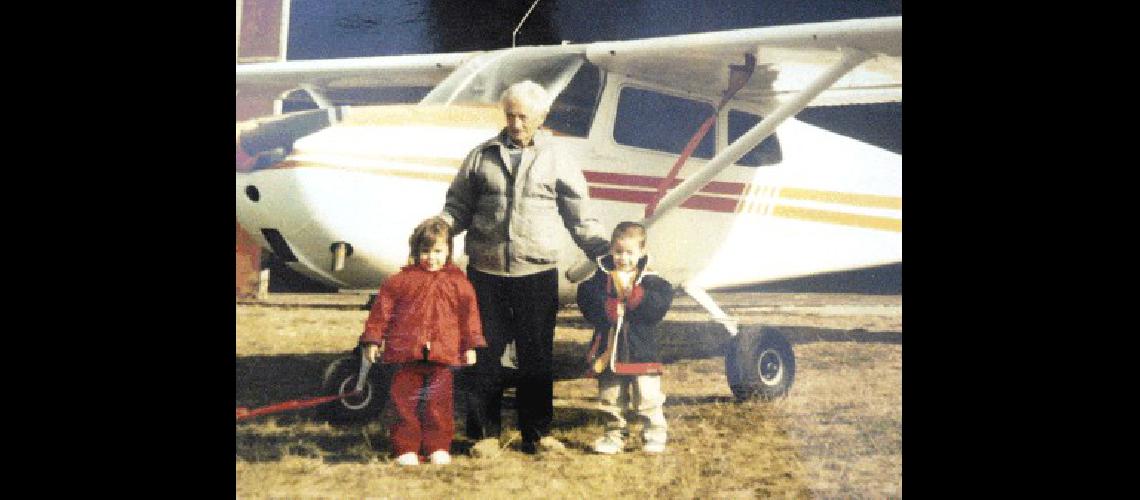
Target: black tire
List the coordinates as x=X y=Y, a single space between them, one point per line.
x=340 y=378
x=759 y=364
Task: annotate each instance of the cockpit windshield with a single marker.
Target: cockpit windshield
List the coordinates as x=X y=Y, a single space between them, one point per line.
x=482 y=80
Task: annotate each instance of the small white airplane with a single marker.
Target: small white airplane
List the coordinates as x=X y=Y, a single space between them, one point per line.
x=759 y=197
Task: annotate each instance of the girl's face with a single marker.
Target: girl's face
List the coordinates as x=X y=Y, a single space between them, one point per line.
x=626 y=252
x=434 y=257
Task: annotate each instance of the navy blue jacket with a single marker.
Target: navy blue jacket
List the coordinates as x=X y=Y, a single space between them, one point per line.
x=648 y=301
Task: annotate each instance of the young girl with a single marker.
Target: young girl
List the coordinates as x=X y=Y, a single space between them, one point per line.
x=425 y=319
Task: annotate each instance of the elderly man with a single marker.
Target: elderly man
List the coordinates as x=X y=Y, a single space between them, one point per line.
x=510 y=195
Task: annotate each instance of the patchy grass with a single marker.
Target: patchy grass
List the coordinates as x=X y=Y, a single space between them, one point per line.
x=837 y=434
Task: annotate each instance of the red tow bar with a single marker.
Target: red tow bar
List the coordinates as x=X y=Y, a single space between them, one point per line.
x=244 y=413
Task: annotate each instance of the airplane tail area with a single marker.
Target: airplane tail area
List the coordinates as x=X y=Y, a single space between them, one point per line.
x=264 y=141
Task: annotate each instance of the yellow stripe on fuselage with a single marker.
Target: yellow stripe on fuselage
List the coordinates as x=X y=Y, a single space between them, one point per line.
x=467 y=116
x=840 y=218
x=389 y=171
x=856 y=199
x=755 y=193
x=304 y=159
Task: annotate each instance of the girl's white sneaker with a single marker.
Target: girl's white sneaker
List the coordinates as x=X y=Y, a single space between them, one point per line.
x=408 y=458
x=440 y=457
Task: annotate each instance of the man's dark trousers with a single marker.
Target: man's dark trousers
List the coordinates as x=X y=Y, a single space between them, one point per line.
x=522 y=309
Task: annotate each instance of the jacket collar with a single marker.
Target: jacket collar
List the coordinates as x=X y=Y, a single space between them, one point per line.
x=449 y=267
x=606 y=265
x=541 y=137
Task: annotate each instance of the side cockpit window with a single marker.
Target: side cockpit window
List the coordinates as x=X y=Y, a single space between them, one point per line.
x=573 y=110
x=766 y=153
x=296 y=100
x=652 y=120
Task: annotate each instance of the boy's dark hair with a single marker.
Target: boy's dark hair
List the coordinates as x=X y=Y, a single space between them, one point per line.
x=629 y=229
x=426 y=234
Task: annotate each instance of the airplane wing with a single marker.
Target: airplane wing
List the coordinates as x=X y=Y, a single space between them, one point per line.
x=787 y=59
x=424 y=70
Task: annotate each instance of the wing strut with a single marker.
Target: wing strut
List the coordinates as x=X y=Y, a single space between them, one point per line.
x=317 y=95
x=702 y=297
x=742 y=145
x=737 y=76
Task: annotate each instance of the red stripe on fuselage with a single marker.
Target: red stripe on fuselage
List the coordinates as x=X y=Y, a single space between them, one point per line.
x=716 y=187
x=696 y=202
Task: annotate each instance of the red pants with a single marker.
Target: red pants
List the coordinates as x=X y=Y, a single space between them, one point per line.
x=435 y=426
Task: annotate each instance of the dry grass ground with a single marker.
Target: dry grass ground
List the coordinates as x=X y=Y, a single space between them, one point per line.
x=837 y=434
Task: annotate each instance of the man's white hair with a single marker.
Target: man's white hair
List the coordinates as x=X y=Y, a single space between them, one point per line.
x=529 y=94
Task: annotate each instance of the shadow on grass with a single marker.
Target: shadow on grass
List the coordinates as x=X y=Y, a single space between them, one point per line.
x=810 y=334
x=697 y=400
x=264 y=380
x=359 y=444
x=681 y=340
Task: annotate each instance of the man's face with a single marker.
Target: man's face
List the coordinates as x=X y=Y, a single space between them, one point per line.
x=626 y=252
x=434 y=257
x=522 y=122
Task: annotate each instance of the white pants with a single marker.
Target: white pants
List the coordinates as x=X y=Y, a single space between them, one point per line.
x=641 y=394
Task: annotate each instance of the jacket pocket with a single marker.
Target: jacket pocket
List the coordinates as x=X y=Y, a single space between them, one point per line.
x=539 y=232
x=489 y=222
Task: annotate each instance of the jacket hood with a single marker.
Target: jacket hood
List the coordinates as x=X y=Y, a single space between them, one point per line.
x=449 y=267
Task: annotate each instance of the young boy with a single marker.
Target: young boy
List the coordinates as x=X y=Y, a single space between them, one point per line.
x=425 y=319
x=625 y=301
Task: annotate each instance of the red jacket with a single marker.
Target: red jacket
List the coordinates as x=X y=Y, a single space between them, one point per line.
x=416 y=306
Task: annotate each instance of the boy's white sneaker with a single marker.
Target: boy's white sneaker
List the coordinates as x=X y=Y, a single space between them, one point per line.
x=408 y=458
x=653 y=446
x=608 y=445
x=440 y=457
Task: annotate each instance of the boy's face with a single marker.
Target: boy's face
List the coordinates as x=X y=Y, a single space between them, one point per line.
x=435 y=256
x=626 y=252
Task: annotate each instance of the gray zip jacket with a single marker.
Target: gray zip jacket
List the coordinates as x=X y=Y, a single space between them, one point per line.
x=512 y=219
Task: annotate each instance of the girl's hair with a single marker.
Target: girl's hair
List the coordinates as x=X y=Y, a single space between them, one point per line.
x=426 y=234
x=629 y=229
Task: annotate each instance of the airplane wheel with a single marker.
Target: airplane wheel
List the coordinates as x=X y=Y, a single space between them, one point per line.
x=340 y=378
x=759 y=364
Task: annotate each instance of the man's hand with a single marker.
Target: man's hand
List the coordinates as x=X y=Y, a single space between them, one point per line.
x=470 y=355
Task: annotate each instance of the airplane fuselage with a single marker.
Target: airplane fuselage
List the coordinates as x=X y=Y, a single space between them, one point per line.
x=830 y=203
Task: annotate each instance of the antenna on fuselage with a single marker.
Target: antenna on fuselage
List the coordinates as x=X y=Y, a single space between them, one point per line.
x=516 y=32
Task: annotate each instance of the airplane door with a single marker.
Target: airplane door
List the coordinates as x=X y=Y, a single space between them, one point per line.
x=636 y=138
